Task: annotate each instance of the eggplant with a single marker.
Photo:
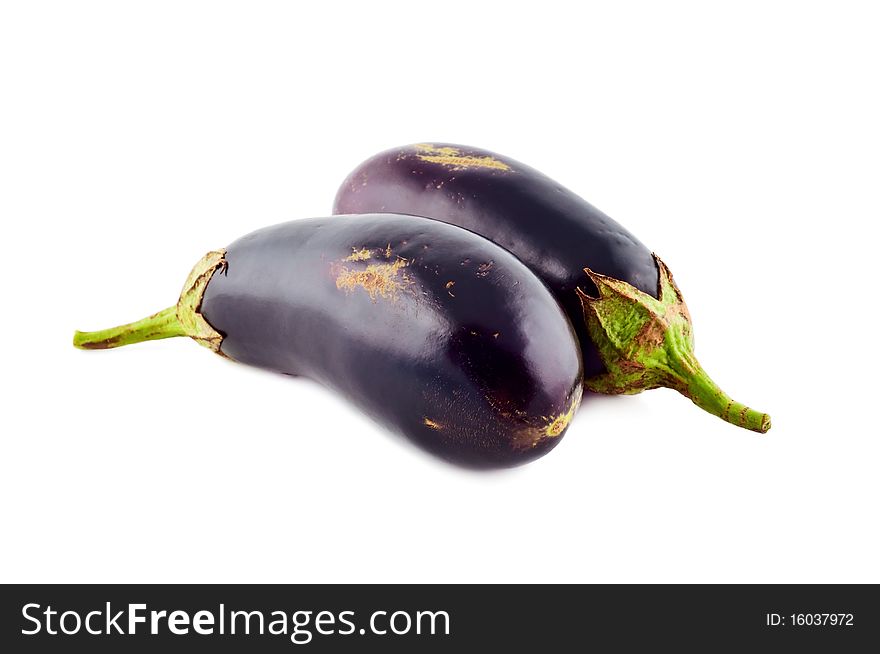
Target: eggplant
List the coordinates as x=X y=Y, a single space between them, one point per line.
x=631 y=321
x=432 y=330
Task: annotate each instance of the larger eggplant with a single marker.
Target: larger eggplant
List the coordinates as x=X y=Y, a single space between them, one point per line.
x=433 y=330
x=631 y=320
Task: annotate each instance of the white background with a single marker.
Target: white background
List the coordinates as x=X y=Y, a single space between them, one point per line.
x=740 y=141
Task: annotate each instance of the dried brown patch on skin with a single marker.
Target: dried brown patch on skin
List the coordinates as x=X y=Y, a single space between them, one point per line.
x=358 y=255
x=527 y=438
x=384 y=280
x=433 y=149
x=553 y=426
x=558 y=424
x=484 y=268
x=453 y=158
x=449 y=286
x=432 y=424
x=388 y=251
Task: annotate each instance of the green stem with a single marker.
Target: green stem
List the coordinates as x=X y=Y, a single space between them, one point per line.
x=689 y=379
x=160 y=325
x=183 y=319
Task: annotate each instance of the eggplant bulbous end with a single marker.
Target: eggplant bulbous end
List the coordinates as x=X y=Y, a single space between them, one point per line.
x=434 y=331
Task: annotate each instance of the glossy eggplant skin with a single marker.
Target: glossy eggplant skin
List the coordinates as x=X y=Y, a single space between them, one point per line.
x=431 y=329
x=552 y=230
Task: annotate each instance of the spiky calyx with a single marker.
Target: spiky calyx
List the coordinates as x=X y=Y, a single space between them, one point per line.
x=647 y=342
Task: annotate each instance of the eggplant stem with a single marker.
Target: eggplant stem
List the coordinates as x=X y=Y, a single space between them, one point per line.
x=183 y=319
x=647 y=342
x=690 y=379
x=163 y=324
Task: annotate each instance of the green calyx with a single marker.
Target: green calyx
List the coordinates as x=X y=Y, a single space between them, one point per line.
x=183 y=319
x=648 y=343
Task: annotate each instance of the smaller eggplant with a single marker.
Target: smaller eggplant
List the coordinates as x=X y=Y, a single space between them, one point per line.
x=436 y=332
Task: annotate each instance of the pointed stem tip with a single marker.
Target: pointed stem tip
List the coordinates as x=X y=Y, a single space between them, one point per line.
x=163 y=324
x=689 y=378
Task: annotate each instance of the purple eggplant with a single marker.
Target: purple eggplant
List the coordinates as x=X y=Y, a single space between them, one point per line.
x=431 y=329
x=631 y=321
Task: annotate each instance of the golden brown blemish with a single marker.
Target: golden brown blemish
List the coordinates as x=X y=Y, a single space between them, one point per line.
x=431 y=148
x=377 y=279
x=484 y=268
x=358 y=255
x=431 y=424
x=388 y=251
x=558 y=424
x=527 y=438
x=449 y=285
x=555 y=425
x=453 y=157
